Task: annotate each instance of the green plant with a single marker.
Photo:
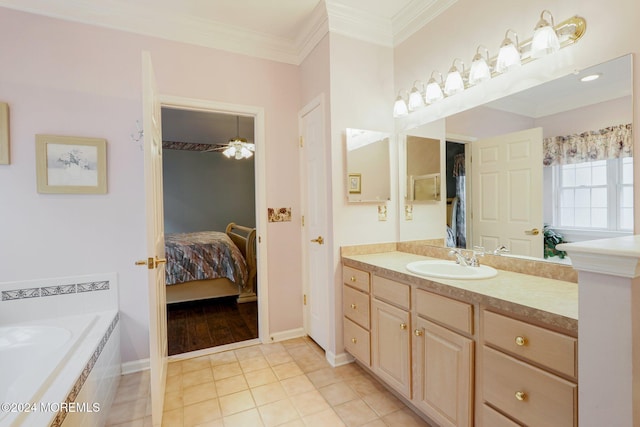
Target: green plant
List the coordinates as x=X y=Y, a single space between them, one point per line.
x=551 y=239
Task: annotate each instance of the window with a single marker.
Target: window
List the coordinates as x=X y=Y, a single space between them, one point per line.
x=594 y=195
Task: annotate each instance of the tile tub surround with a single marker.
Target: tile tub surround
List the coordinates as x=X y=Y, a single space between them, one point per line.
x=436 y=249
x=550 y=302
x=288 y=383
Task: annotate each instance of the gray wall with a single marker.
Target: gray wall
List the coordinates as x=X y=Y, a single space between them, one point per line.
x=206 y=191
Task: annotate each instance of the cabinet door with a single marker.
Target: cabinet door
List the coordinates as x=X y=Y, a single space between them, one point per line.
x=391 y=346
x=444 y=374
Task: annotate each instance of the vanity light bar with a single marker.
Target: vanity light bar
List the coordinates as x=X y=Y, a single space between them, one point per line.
x=568 y=31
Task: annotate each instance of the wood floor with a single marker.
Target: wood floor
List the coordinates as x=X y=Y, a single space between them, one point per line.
x=196 y=325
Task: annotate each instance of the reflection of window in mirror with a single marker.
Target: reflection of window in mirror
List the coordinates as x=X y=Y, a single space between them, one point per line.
x=423 y=169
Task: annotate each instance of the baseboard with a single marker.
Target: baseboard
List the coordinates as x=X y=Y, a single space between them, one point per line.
x=134 y=366
x=287 y=335
x=336 y=360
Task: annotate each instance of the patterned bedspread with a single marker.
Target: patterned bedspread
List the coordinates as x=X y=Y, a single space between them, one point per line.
x=203 y=255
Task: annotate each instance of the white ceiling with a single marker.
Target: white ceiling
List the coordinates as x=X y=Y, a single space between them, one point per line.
x=281 y=30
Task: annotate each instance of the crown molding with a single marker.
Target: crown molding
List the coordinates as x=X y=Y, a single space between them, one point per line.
x=316 y=27
x=359 y=24
x=416 y=15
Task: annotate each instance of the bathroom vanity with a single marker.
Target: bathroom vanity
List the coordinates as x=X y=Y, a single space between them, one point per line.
x=489 y=352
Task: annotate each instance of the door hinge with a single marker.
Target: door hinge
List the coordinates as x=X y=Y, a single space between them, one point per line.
x=301 y=142
x=305 y=299
x=303 y=220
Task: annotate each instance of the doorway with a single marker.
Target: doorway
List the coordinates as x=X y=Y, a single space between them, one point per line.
x=456 y=194
x=212 y=273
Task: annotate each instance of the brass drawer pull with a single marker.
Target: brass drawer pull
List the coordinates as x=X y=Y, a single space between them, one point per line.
x=521 y=395
x=353 y=340
x=417 y=333
x=521 y=341
x=403 y=326
x=354 y=306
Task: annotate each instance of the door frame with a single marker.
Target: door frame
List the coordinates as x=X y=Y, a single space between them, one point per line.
x=317 y=102
x=258 y=115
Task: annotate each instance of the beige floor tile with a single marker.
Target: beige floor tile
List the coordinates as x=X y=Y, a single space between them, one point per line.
x=301 y=352
x=191 y=378
x=277 y=413
x=278 y=358
x=231 y=385
x=134 y=378
x=251 y=364
x=364 y=385
x=323 y=377
x=268 y=393
x=249 y=352
x=127 y=411
x=135 y=423
x=173 y=384
x=236 y=402
x=349 y=370
x=405 y=418
x=174 y=418
x=272 y=348
x=201 y=412
x=222 y=358
x=294 y=342
x=195 y=364
x=174 y=368
x=297 y=385
x=323 y=419
x=287 y=370
x=199 y=393
x=214 y=423
x=383 y=403
x=173 y=400
x=250 y=418
x=312 y=363
x=375 y=423
x=309 y=403
x=338 y=393
x=227 y=370
x=260 y=377
x=356 y=413
x=131 y=391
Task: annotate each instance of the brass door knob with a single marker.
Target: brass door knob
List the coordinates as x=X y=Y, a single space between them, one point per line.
x=319 y=240
x=521 y=341
x=521 y=395
x=532 y=232
x=151 y=263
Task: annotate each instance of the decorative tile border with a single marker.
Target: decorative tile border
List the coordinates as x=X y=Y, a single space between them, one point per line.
x=47 y=291
x=77 y=386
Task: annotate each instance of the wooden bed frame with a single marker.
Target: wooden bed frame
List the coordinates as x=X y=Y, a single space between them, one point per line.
x=245 y=239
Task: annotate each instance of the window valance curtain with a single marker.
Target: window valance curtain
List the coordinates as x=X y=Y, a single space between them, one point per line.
x=609 y=143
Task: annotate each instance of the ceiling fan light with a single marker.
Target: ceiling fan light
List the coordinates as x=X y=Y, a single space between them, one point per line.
x=229 y=152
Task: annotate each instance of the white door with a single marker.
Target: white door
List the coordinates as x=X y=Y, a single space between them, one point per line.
x=155 y=238
x=507 y=197
x=317 y=280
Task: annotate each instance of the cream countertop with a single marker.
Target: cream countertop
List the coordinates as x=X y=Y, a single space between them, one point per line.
x=549 y=301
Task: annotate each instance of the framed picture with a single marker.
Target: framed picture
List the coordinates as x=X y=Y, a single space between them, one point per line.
x=4 y=133
x=355 y=183
x=71 y=165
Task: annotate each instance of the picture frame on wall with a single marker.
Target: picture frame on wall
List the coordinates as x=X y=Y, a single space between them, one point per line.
x=71 y=165
x=355 y=183
x=4 y=133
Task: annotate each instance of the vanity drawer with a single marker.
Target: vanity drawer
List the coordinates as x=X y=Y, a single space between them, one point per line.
x=355 y=306
x=528 y=394
x=551 y=349
x=455 y=314
x=493 y=418
x=392 y=292
x=356 y=278
x=357 y=341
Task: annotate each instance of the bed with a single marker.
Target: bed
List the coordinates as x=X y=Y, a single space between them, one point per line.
x=211 y=264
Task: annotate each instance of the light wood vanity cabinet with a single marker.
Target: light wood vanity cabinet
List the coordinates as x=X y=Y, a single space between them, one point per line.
x=355 y=308
x=391 y=334
x=521 y=363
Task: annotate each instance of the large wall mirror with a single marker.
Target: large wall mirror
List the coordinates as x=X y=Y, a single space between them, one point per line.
x=423 y=169
x=368 y=167
x=552 y=160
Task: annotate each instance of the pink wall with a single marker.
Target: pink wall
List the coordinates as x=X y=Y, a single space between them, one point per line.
x=71 y=79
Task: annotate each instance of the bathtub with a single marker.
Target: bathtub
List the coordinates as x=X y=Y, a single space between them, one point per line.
x=61 y=371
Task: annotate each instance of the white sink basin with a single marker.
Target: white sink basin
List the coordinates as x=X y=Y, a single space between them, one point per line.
x=450 y=270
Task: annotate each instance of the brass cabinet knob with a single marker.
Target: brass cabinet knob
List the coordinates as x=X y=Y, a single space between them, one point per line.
x=353 y=278
x=521 y=341
x=354 y=306
x=403 y=326
x=417 y=333
x=353 y=340
x=521 y=395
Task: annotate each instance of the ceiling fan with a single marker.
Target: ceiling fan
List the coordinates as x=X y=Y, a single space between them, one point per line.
x=237 y=147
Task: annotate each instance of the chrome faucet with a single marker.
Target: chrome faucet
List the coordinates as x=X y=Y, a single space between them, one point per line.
x=460 y=258
x=471 y=261
x=501 y=250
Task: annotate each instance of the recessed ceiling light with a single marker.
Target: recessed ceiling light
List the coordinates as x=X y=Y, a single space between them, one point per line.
x=590 y=77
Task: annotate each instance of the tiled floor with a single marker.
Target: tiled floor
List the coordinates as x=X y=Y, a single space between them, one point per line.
x=282 y=384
